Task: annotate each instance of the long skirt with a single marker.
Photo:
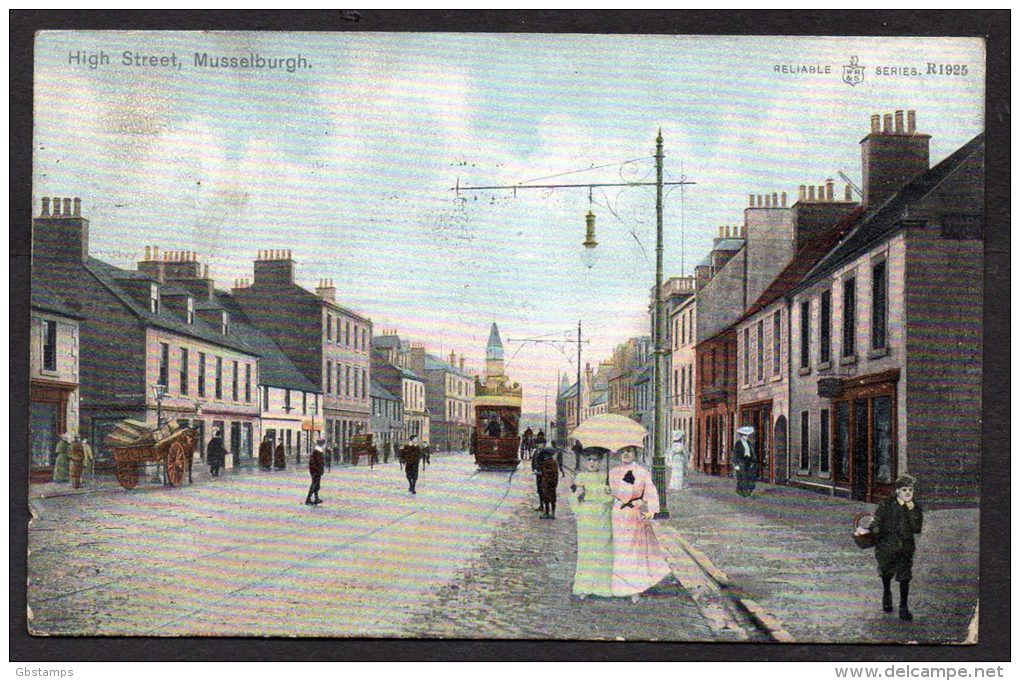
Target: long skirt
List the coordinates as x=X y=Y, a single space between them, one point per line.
x=594 y=573
x=639 y=563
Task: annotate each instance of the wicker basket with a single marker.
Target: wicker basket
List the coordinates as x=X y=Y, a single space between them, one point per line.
x=864 y=541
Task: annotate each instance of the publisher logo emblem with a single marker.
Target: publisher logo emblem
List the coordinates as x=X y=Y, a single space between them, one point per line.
x=853 y=73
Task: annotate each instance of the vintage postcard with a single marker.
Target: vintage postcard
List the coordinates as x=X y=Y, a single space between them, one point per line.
x=506 y=336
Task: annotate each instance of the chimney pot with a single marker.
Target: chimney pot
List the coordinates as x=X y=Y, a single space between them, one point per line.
x=720 y=231
x=911 y=121
x=155 y=252
x=148 y=253
x=775 y=200
x=887 y=124
x=821 y=192
x=899 y=122
x=830 y=186
x=45 y=205
x=811 y=192
x=743 y=230
x=77 y=207
x=205 y=273
x=751 y=199
x=875 y=118
x=56 y=206
x=803 y=193
x=847 y=195
x=784 y=199
x=67 y=207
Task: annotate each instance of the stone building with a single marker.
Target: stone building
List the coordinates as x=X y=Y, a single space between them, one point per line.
x=387 y=418
x=328 y=343
x=53 y=378
x=449 y=391
x=620 y=381
x=681 y=322
x=392 y=361
x=887 y=329
x=136 y=332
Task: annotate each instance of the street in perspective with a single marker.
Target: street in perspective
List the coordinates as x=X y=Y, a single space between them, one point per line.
x=430 y=336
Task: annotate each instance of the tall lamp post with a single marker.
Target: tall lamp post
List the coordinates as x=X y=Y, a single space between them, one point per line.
x=588 y=256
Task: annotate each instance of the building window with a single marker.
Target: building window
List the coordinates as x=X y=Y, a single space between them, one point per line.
x=154 y=299
x=357 y=381
x=184 y=371
x=49 y=346
x=747 y=355
x=347 y=334
x=304 y=402
x=849 y=315
x=805 y=453
x=347 y=380
x=286 y=400
x=823 y=439
x=329 y=377
x=364 y=383
x=805 y=334
x=825 y=328
x=777 y=343
x=164 y=365
x=329 y=327
x=247 y=383
x=879 y=297
x=225 y=328
x=201 y=374
x=761 y=349
x=219 y=378
x=234 y=384
x=191 y=310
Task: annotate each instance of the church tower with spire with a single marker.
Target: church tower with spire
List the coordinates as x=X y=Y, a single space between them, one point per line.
x=494 y=366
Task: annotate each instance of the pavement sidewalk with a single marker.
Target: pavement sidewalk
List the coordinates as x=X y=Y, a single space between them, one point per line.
x=791 y=551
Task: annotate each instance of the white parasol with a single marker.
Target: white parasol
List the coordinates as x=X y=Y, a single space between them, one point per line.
x=612 y=431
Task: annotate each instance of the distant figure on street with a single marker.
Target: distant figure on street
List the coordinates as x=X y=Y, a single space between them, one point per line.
x=493 y=429
x=316 y=464
x=745 y=463
x=327 y=454
x=548 y=471
x=897 y=520
x=386 y=452
x=426 y=454
x=540 y=439
x=527 y=443
x=216 y=454
x=639 y=563
x=591 y=501
x=678 y=461
x=61 y=467
x=578 y=450
x=280 y=457
x=266 y=454
x=410 y=456
x=81 y=461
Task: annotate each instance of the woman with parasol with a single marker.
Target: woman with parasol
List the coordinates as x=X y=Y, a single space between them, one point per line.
x=591 y=502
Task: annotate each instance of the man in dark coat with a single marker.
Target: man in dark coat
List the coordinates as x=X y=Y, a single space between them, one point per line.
x=540 y=439
x=897 y=520
x=493 y=429
x=316 y=464
x=550 y=466
x=266 y=454
x=410 y=456
x=279 y=457
x=216 y=454
x=745 y=464
x=527 y=443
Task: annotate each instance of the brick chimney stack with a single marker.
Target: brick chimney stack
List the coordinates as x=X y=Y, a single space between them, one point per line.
x=326 y=290
x=60 y=234
x=274 y=268
x=892 y=157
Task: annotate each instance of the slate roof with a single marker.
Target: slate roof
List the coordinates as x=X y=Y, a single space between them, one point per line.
x=571 y=391
x=433 y=363
x=375 y=389
x=802 y=262
x=600 y=398
x=728 y=244
x=45 y=299
x=887 y=219
x=385 y=341
x=275 y=368
x=407 y=373
x=109 y=276
x=645 y=374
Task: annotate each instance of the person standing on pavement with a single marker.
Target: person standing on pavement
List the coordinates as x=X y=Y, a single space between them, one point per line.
x=745 y=464
x=61 y=467
x=410 y=456
x=216 y=454
x=266 y=454
x=591 y=501
x=678 y=461
x=897 y=520
x=316 y=464
x=639 y=563
x=280 y=456
x=81 y=461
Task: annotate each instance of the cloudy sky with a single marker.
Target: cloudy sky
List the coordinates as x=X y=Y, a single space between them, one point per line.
x=349 y=163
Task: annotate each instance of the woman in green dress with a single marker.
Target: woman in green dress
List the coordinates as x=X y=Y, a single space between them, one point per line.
x=592 y=503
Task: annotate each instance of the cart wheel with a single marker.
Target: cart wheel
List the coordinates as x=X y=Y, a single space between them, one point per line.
x=175 y=463
x=127 y=474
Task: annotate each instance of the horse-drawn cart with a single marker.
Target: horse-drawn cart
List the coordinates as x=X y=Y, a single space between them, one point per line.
x=134 y=442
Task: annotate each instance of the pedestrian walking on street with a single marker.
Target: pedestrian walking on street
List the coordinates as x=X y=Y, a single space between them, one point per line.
x=678 y=461
x=61 y=467
x=897 y=520
x=316 y=464
x=426 y=454
x=266 y=454
x=81 y=461
x=328 y=455
x=387 y=449
x=410 y=456
x=639 y=563
x=216 y=454
x=745 y=463
x=280 y=457
x=550 y=466
x=591 y=501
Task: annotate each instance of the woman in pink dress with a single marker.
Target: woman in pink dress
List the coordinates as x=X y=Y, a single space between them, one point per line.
x=639 y=563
